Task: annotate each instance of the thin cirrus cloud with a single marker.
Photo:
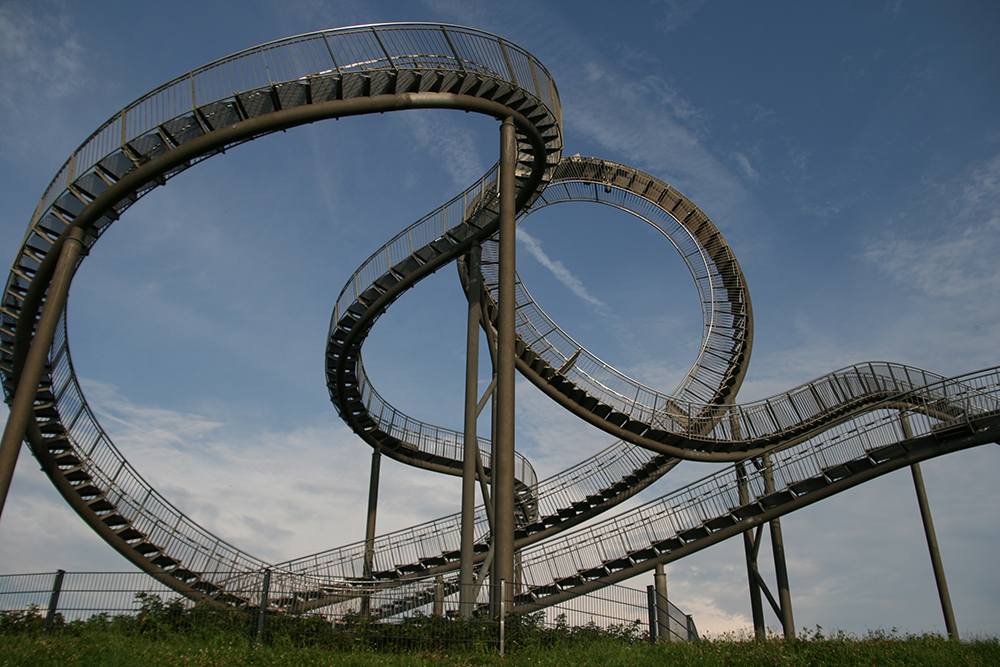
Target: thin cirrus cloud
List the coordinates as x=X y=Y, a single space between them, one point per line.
x=954 y=256
x=27 y=58
x=647 y=124
x=559 y=270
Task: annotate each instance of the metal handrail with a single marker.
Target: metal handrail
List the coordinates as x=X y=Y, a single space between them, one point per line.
x=294 y=58
x=851 y=405
x=718 y=280
x=220 y=93
x=718 y=495
x=408 y=545
x=717 y=276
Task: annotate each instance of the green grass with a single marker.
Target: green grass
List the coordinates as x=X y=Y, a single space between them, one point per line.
x=161 y=634
x=110 y=649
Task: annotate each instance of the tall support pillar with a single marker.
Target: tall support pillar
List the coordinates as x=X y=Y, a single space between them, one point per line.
x=929 y=533
x=466 y=599
x=503 y=455
x=780 y=569
x=369 y=564
x=932 y=546
x=22 y=406
x=750 y=549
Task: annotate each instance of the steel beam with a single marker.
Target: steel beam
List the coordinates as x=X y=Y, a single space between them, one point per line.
x=750 y=548
x=466 y=604
x=369 y=564
x=929 y=533
x=780 y=568
x=503 y=458
x=932 y=546
x=23 y=402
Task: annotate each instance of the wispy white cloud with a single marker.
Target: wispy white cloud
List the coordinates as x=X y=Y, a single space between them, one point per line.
x=744 y=164
x=647 y=123
x=954 y=254
x=43 y=63
x=453 y=144
x=558 y=269
x=276 y=494
x=676 y=13
x=761 y=114
x=147 y=427
x=38 y=58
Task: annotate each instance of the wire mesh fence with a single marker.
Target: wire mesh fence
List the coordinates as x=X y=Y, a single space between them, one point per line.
x=418 y=615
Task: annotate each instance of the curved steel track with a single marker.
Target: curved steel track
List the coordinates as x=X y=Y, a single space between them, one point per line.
x=824 y=436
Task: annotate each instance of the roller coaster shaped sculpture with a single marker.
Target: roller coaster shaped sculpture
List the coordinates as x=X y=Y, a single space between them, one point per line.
x=818 y=439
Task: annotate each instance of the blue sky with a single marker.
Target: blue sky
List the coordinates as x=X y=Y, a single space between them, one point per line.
x=850 y=153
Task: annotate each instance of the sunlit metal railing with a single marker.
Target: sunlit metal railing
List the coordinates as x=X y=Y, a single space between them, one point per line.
x=859 y=407
x=433 y=538
x=387 y=48
x=433 y=440
x=303 y=70
x=687 y=508
x=717 y=277
x=134 y=498
x=718 y=280
x=970 y=397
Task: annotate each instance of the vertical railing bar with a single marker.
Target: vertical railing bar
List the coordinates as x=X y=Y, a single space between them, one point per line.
x=388 y=57
x=506 y=58
x=454 y=51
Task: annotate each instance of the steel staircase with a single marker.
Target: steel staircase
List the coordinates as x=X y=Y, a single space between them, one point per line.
x=203 y=113
x=730 y=501
x=823 y=436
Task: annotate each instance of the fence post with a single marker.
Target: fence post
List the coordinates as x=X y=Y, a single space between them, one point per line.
x=651 y=609
x=503 y=610
x=439 y=595
x=662 y=605
x=692 y=631
x=262 y=612
x=50 y=617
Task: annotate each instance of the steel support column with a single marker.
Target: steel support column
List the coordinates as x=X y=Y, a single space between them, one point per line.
x=466 y=599
x=750 y=549
x=369 y=564
x=778 y=549
x=931 y=535
x=932 y=546
x=262 y=611
x=22 y=404
x=503 y=455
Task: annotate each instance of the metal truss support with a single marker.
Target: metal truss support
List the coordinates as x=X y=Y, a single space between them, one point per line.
x=50 y=616
x=751 y=543
x=23 y=402
x=466 y=604
x=751 y=546
x=503 y=454
x=778 y=550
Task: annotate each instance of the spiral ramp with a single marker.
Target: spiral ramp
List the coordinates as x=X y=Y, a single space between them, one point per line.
x=823 y=437
x=329 y=74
